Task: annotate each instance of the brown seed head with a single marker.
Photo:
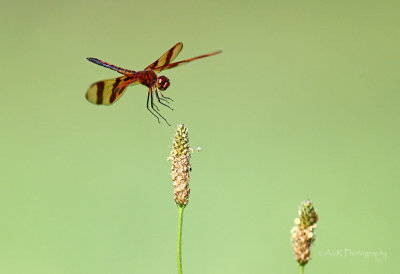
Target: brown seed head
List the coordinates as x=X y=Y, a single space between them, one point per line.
x=179 y=157
x=303 y=232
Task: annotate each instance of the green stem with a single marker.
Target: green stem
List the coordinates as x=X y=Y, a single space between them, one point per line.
x=301 y=268
x=179 y=258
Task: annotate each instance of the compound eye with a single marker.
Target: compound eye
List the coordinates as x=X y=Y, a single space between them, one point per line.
x=162 y=83
x=166 y=85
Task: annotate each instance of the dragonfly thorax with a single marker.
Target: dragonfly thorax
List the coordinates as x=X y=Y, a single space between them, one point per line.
x=147 y=78
x=162 y=83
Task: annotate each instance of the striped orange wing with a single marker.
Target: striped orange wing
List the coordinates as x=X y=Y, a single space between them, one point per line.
x=172 y=65
x=166 y=58
x=107 y=92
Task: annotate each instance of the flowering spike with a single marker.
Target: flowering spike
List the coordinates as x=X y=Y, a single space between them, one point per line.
x=179 y=157
x=303 y=232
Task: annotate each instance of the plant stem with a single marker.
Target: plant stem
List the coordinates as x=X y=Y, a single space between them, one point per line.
x=301 y=268
x=179 y=257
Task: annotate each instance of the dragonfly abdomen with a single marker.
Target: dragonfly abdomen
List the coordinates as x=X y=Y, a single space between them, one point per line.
x=110 y=66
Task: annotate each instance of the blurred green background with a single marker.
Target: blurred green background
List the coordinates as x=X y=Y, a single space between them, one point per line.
x=302 y=103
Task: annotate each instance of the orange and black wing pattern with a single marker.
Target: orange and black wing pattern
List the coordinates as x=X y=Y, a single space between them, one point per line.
x=107 y=92
x=166 y=58
x=172 y=65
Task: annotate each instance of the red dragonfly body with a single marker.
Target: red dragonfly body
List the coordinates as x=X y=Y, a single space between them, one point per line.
x=107 y=92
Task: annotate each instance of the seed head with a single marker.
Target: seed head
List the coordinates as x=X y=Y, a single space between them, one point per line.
x=303 y=232
x=179 y=157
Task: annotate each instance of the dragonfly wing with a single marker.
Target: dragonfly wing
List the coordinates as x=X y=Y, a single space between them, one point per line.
x=167 y=57
x=107 y=92
x=172 y=65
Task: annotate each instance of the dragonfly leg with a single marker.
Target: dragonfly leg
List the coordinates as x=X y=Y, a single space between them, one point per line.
x=165 y=97
x=164 y=100
x=148 y=96
x=156 y=110
x=153 y=106
x=159 y=100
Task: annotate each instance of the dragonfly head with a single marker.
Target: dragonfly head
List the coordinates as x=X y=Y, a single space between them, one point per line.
x=162 y=83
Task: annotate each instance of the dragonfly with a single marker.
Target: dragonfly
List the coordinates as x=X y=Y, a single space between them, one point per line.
x=107 y=92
